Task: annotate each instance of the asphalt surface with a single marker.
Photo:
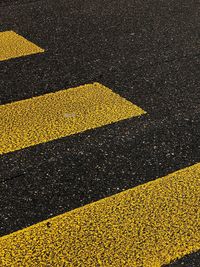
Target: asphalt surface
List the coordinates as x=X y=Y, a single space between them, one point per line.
x=148 y=53
x=145 y=226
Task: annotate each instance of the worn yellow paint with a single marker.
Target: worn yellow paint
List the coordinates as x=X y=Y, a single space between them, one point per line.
x=147 y=226
x=13 y=45
x=51 y=116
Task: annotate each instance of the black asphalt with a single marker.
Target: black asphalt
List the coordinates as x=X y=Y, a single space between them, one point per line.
x=145 y=50
x=187 y=261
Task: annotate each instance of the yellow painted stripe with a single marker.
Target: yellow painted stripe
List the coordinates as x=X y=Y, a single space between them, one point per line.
x=13 y=45
x=51 y=116
x=149 y=225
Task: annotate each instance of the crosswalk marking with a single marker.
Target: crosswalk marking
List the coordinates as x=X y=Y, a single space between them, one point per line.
x=13 y=45
x=51 y=116
x=149 y=225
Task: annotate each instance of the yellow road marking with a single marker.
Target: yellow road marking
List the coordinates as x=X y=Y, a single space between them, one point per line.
x=13 y=45
x=147 y=226
x=51 y=116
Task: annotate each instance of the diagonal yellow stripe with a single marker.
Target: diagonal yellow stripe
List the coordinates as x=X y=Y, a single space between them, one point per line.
x=51 y=116
x=13 y=45
x=149 y=225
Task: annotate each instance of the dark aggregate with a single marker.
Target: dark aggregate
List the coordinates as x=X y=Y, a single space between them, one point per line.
x=192 y=260
x=145 y=50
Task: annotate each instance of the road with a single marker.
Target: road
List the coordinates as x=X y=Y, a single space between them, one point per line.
x=100 y=133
